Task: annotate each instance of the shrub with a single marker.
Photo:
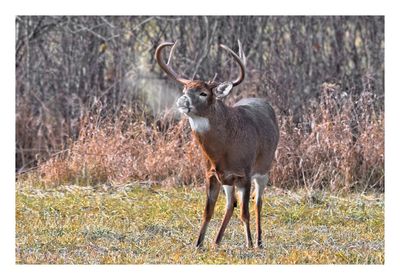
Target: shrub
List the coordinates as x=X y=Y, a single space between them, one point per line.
x=337 y=144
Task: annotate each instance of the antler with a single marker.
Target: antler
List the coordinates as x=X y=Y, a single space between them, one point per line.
x=170 y=72
x=167 y=69
x=240 y=78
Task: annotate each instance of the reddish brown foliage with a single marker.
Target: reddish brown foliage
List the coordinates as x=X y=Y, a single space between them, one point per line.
x=339 y=144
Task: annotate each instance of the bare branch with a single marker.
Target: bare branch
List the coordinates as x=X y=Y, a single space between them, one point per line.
x=107 y=22
x=205 y=50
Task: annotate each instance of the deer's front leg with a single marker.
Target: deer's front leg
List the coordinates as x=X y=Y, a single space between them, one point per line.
x=230 y=200
x=213 y=187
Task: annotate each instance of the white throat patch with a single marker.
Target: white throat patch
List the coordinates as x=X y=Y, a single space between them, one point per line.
x=199 y=124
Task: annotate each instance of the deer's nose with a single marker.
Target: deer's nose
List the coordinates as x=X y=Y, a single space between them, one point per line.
x=183 y=101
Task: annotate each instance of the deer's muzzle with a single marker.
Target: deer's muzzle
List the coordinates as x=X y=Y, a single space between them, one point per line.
x=184 y=105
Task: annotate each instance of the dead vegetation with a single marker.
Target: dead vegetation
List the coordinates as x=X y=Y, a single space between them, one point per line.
x=71 y=68
x=134 y=225
x=338 y=144
x=91 y=102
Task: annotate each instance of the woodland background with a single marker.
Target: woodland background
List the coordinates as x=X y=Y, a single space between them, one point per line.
x=93 y=107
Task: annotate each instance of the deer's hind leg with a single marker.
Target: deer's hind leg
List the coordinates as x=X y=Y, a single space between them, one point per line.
x=244 y=186
x=260 y=181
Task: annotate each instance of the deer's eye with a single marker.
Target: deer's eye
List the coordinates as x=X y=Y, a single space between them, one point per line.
x=203 y=94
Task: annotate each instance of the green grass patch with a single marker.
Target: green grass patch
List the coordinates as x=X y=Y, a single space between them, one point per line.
x=135 y=225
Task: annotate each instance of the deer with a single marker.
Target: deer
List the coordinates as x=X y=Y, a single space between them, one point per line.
x=238 y=143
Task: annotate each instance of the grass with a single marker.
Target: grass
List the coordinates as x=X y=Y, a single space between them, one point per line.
x=136 y=225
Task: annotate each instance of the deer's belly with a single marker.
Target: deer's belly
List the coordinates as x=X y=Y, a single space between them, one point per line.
x=227 y=177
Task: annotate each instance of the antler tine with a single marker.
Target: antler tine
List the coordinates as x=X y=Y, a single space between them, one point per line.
x=215 y=76
x=166 y=67
x=172 y=52
x=241 y=76
x=212 y=83
x=241 y=53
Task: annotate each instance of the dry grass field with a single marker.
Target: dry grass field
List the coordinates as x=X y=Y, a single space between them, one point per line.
x=137 y=225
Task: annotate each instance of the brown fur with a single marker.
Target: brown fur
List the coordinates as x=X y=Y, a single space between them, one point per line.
x=246 y=148
x=241 y=142
x=237 y=142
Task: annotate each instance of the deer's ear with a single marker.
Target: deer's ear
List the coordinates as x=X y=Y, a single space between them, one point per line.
x=223 y=89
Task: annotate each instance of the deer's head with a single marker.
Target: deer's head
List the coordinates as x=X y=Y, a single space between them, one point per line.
x=199 y=95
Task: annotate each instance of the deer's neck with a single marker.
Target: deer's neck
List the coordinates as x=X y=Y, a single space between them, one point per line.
x=199 y=124
x=210 y=132
x=214 y=121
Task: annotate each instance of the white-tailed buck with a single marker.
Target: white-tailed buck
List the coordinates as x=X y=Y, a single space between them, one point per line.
x=238 y=143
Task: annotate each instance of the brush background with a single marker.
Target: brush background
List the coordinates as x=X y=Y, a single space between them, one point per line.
x=92 y=105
